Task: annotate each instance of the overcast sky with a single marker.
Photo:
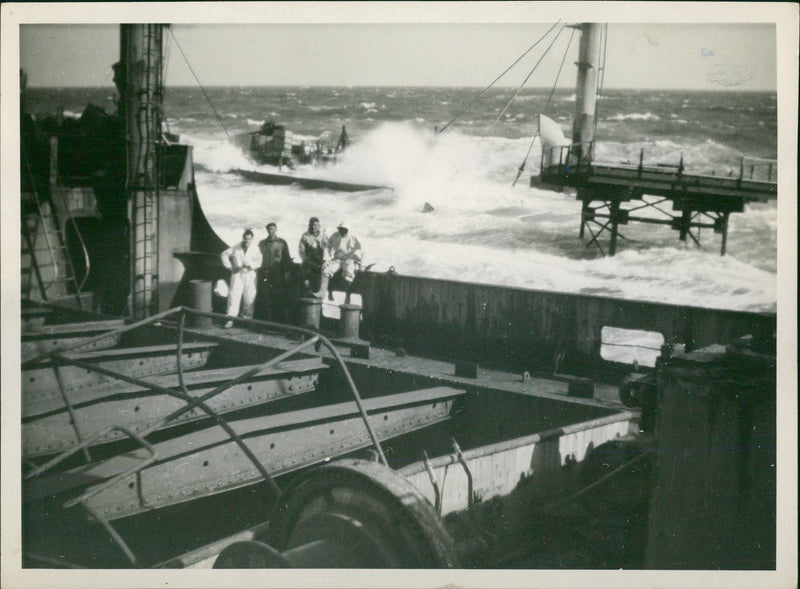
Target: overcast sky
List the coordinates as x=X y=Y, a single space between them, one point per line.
x=669 y=56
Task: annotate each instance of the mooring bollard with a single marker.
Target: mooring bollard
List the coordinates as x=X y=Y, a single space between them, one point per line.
x=200 y=299
x=349 y=321
x=310 y=313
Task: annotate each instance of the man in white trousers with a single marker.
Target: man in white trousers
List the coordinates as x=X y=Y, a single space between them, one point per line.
x=242 y=259
x=343 y=251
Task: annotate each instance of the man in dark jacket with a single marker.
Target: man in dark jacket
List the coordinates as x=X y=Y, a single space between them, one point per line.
x=310 y=249
x=274 y=276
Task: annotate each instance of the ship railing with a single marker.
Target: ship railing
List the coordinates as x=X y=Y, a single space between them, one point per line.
x=177 y=317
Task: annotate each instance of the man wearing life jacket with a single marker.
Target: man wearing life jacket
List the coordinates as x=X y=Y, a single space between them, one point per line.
x=273 y=276
x=343 y=251
x=242 y=260
x=310 y=249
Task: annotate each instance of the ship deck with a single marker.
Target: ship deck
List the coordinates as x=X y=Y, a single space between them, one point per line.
x=550 y=386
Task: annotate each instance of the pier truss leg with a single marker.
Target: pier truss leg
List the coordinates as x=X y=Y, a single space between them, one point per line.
x=688 y=215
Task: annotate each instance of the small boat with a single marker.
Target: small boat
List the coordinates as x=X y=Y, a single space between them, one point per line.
x=311 y=183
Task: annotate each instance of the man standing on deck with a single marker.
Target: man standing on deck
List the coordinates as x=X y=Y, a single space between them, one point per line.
x=242 y=260
x=273 y=276
x=311 y=249
x=343 y=251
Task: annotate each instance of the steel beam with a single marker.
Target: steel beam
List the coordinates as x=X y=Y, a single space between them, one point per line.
x=51 y=337
x=208 y=462
x=47 y=379
x=138 y=409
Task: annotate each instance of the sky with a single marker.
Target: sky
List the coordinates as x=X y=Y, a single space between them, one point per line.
x=728 y=56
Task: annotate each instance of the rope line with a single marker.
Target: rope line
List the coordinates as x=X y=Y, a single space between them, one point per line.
x=203 y=90
x=546 y=107
x=485 y=90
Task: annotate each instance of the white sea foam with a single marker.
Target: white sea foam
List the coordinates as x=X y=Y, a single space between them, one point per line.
x=483 y=230
x=636 y=116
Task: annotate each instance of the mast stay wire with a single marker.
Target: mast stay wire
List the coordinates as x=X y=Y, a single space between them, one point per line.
x=545 y=109
x=525 y=81
x=164 y=65
x=203 y=90
x=485 y=90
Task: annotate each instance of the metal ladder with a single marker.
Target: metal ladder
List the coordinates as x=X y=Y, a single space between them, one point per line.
x=31 y=269
x=143 y=179
x=50 y=220
x=59 y=262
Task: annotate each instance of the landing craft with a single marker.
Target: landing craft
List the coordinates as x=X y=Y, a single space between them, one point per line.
x=438 y=424
x=273 y=144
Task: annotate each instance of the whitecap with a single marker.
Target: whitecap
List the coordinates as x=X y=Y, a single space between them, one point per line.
x=648 y=116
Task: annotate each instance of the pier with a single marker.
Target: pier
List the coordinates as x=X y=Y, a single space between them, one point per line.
x=697 y=200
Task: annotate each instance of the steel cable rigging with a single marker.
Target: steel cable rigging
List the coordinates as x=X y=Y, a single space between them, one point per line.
x=485 y=90
x=525 y=81
x=203 y=90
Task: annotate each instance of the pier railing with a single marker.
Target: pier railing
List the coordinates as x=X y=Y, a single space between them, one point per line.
x=569 y=163
x=753 y=168
x=567 y=160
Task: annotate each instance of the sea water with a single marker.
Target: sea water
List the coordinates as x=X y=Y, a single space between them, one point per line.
x=483 y=229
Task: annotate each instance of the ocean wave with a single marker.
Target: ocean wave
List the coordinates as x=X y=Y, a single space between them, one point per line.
x=484 y=230
x=648 y=116
x=676 y=119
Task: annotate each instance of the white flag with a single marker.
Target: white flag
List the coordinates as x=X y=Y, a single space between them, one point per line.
x=552 y=140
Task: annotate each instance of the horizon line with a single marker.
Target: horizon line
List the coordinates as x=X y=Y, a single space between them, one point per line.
x=544 y=88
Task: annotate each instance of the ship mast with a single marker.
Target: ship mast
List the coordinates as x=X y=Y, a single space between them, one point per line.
x=586 y=90
x=140 y=106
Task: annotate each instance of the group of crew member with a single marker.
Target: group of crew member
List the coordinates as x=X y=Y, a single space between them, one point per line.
x=262 y=274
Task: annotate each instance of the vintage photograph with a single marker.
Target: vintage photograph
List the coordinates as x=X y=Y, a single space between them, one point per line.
x=324 y=288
